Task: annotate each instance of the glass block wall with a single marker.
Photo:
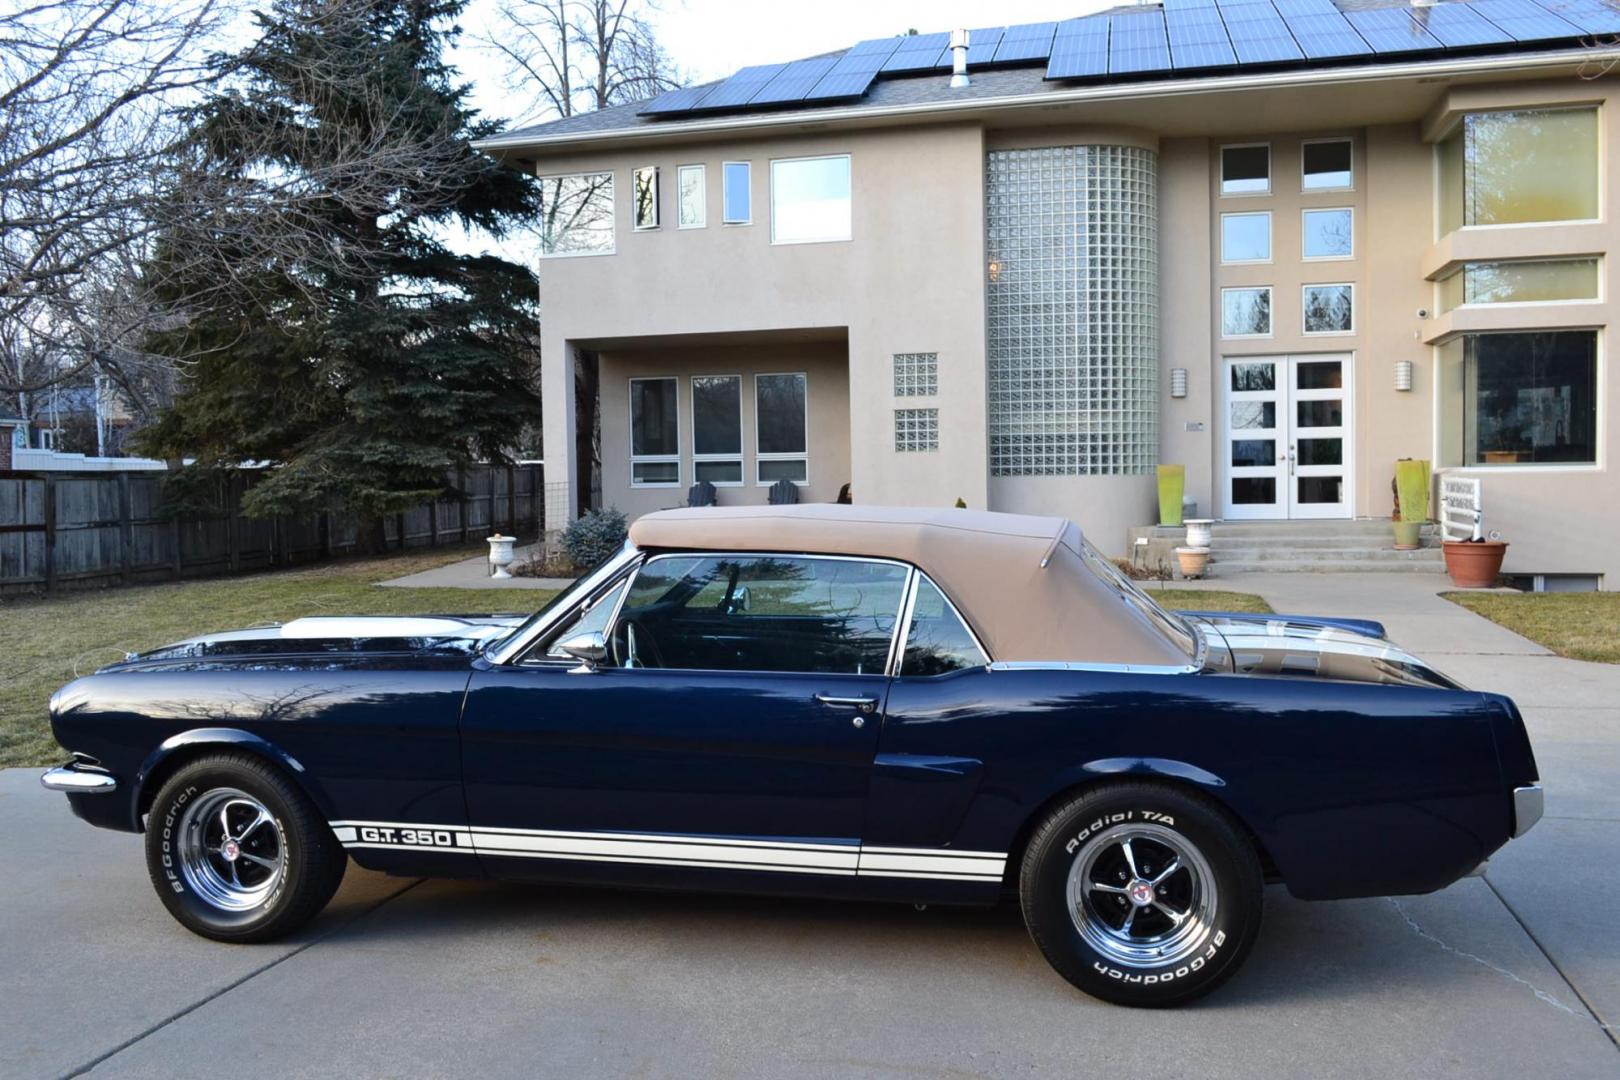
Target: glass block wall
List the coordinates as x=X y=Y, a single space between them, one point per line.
x=1073 y=279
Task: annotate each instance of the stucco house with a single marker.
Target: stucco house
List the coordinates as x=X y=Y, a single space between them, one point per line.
x=1283 y=242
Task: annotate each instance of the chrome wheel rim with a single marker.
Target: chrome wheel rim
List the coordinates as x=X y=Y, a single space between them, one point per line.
x=233 y=851
x=1142 y=895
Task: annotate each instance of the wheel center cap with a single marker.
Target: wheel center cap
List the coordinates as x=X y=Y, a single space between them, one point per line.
x=232 y=849
x=1140 y=892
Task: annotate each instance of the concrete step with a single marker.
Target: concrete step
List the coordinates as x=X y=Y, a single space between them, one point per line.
x=1312 y=543
x=1291 y=552
x=1287 y=531
x=1226 y=568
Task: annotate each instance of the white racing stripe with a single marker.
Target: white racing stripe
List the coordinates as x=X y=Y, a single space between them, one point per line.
x=721 y=853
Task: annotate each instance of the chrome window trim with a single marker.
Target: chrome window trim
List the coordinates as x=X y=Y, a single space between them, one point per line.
x=902 y=628
x=508 y=652
x=1075 y=665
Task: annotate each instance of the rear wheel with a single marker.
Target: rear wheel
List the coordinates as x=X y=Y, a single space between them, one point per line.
x=237 y=853
x=1141 y=894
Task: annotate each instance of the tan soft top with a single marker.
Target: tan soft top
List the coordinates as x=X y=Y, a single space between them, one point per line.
x=1020 y=580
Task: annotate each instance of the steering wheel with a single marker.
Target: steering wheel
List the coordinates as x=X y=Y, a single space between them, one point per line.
x=640 y=649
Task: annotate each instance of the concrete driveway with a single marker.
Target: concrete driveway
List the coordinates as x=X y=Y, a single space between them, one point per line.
x=1503 y=976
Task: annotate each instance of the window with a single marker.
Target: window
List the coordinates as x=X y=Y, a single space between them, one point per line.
x=916 y=374
x=937 y=641
x=1246 y=170
x=593 y=618
x=780 y=445
x=645 y=184
x=1246 y=312
x=1505 y=168
x=1519 y=399
x=737 y=196
x=1325 y=165
x=916 y=430
x=576 y=215
x=717 y=429
x=655 y=446
x=1520 y=282
x=810 y=200
x=1327 y=234
x=1246 y=237
x=1329 y=309
x=780 y=613
x=691 y=196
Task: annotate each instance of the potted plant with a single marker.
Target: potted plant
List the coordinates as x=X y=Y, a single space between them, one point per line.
x=1172 y=484
x=1411 y=501
x=1193 y=561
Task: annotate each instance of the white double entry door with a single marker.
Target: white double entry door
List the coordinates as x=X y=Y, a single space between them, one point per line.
x=1285 y=436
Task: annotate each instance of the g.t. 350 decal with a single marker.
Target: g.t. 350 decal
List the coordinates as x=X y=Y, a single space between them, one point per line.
x=380 y=834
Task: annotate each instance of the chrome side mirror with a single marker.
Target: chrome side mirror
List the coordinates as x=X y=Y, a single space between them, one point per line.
x=739 y=601
x=589 y=648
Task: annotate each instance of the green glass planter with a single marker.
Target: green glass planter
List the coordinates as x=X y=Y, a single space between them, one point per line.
x=1172 y=485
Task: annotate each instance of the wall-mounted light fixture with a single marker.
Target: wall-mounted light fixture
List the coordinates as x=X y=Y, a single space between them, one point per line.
x=1178 y=382
x=1403 y=374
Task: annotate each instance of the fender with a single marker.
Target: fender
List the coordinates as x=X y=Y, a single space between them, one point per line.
x=224 y=738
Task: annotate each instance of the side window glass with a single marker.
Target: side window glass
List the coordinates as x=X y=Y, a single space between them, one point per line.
x=761 y=613
x=937 y=643
x=594 y=617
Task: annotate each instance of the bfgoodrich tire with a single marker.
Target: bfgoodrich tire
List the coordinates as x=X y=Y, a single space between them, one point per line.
x=1141 y=894
x=237 y=853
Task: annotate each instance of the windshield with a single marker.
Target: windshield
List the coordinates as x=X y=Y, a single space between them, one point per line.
x=1173 y=626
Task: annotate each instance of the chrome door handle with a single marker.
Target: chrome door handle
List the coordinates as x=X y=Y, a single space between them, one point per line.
x=864 y=705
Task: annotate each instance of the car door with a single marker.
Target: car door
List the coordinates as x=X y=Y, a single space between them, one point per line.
x=730 y=731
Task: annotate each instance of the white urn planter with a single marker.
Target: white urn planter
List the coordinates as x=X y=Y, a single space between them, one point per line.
x=1198 y=532
x=500 y=555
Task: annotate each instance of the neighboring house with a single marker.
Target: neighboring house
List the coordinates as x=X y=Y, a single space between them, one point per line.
x=1283 y=243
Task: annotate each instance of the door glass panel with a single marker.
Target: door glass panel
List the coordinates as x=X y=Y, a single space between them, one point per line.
x=1321 y=451
x=1320 y=413
x=937 y=643
x=1253 y=414
x=766 y=613
x=1254 y=376
x=1320 y=489
x=1249 y=490
x=1253 y=453
x=1322 y=375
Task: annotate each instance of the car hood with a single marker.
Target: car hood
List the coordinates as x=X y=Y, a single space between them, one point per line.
x=1310 y=648
x=340 y=634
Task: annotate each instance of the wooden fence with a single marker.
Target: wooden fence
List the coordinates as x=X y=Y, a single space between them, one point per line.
x=74 y=529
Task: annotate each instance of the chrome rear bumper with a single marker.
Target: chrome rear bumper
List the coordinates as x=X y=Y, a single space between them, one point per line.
x=1528 y=802
x=78 y=777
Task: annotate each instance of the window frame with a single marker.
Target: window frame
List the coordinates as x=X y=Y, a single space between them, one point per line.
x=1304 y=235
x=703 y=196
x=748 y=188
x=1271 y=247
x=1220 y=170
x=1303 y=289
x=1306 y=189
x=739 y=457
x=635 y=198
x=908 y=611
x=653 y=459
x=849 y=161
x=1271 y=309
x=612 y=215
x=760 y=456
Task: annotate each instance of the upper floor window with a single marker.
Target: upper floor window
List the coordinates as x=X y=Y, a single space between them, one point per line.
x=1325 y=165
x=1505 y=168
x=1246 y=312
x=1246 y=237
x=1519 y=399
x=655 y=433
x=1525 y=282
x=646 y=195
x=1246 y=170
x=717 y=429
x=810 y=200
x=691 y=197
x=1328 y=234
x=780 y=416
x=576 y=214
x=737 y=198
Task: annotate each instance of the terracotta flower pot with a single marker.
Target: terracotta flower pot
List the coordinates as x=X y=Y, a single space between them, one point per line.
x=1193 y=560
x=1474 y=566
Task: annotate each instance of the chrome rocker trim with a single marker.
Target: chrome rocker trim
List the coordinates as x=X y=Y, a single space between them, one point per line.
x=76 y=777
x=1528 y=803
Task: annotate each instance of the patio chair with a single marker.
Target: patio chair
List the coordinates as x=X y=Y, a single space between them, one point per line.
x=784 y=493
x=701 y=493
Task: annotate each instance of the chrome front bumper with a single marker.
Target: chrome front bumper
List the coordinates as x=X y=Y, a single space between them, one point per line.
x=1528 y=802
x=79 y=777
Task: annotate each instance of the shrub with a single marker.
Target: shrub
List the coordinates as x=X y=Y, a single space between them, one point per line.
x=594 y=535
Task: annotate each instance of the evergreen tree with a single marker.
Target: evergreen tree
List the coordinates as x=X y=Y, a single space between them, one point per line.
x=328 y=328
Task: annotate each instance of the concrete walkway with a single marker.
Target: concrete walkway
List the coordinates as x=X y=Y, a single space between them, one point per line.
x=1515 y=974
x=473 y=573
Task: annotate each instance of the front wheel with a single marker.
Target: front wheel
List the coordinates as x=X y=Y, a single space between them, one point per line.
x=237 y=853
x=1141 y=894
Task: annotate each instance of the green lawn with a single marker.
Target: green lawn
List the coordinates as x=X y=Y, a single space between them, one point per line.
x=1584 y=626
x=1208 y=600
x=48 y=641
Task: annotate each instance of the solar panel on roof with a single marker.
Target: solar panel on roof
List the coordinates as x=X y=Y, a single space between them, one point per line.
x=855 y=70
x=1322 y=36
x=1392 y=30
x=1079 y=49
x=676 y=101
x=1289 y=8
x=795 y=81
x=1457 y=26
x=1593 y=16
x=982 y=46
x=1197 y=36
x=1137 y=43
x=1187 y=5
x=1029 y=41
x=871 y=47
x=742 y=86
x=1258 y=33
x=1525 y=20
x=917 y=52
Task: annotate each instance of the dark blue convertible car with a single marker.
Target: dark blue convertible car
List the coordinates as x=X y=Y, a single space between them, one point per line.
x=836 y=701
